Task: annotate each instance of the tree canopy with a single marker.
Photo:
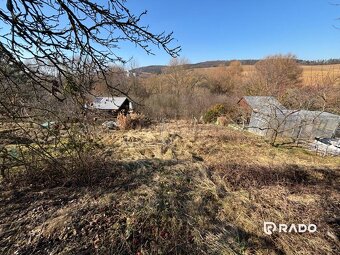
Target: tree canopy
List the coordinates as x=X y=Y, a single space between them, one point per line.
x=70 y=37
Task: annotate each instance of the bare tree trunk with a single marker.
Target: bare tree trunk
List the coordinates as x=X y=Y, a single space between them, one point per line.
x=273 y=137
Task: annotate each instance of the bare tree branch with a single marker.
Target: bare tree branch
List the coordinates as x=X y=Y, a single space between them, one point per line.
x=72 y=36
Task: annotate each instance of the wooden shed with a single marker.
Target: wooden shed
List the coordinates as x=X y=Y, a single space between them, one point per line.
x=111 y=105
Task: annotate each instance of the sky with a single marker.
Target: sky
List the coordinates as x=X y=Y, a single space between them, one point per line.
x=240 y=29
x=237 y=29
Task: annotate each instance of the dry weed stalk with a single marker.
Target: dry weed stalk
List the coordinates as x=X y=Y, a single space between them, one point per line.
x=123 y=121
x=132 y=121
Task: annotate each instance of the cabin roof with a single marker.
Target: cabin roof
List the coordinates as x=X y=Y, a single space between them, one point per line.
x=260 y=102
x=108 y=103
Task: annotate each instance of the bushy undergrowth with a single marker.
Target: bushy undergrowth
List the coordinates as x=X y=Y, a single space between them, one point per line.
x=213 y=113
x=83 y=170
x=171 y=207
x=132 y=121
x=204 y=196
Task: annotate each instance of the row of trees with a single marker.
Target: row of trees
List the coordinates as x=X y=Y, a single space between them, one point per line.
x=38 y=75
x=181 y=92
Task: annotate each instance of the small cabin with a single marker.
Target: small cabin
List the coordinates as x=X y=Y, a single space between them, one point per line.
x=262 y=115
x=250 y=104
x=111 y=105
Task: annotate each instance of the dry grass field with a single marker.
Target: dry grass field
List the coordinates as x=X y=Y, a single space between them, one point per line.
x=176 y=188
x=312 y=74
x=317 y=74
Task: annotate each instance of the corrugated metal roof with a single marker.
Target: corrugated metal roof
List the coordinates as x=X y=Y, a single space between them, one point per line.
x=269 y=114
x=261 y=102
x=310 y=114
x=108 y=103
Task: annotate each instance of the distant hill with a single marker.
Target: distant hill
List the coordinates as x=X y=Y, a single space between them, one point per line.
x=157 y=69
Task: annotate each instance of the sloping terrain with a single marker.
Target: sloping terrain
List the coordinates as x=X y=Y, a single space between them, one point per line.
x=157 y=69
x=176 y=188
x=312 y=74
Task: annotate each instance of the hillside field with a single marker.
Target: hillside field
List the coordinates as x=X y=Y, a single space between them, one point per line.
x=176 y=188
x=311 y=75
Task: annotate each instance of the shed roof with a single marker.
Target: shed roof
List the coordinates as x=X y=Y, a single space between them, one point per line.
x=314 y=114
x=300 y=114
x=108 y=103
x=261 y=102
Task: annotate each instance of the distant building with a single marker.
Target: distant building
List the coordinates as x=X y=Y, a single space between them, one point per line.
x=252 y=104
x=265 y=115
x=112 y=105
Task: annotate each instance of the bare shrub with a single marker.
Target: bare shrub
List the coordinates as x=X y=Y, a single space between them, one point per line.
x=139 y=121
x=132 y=121
x=88 y=169
x=223 y=121
x=123 y=121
